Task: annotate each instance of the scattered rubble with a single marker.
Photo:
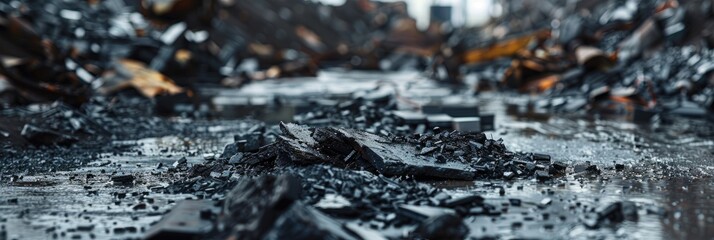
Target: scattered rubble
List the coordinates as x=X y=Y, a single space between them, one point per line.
x=82 y=84
x=616 y=56
x=378 y=113
x=446 y=155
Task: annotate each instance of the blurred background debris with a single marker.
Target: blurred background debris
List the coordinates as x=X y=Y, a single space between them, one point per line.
x=356 y=119
x=578 y=55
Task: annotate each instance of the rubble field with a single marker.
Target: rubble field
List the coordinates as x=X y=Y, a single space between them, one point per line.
x=285 y=119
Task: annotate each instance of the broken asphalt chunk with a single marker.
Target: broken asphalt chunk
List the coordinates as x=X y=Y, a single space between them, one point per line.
x=305 y=223
x=267 y=196
x=267 y=207
x=403 y=160
x=442 y=155
x=229 y=150
x=541 y=157
x=249 y=142
x=298 y=132
x=123 y=179
x=619 y=166
x=515 y=202
x=586 y=168
x=293 y=151
x=236 y=158
x=542 y=175
x=559 y=166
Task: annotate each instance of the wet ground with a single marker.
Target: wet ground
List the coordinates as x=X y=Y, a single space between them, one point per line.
x=667 y=172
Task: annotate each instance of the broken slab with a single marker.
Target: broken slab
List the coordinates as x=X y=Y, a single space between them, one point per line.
x=249 y=142
x=440 y=155
x=295 y=151
x=298 y=132
x=255 y=204
x=268 y=207
x=229 y=150
x=305 y=222
x=265 y=155
x=397 y=159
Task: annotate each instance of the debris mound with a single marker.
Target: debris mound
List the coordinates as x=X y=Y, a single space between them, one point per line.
x=446 y=155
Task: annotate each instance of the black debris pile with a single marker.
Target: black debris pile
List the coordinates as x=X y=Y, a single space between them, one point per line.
x=313 y=202
x=380 y=112
x=57 y=137
x=580 y=53
x=445 y=155
x=101 y=119
x=675 y=81
x=208 y=180
x=276 y=212
x=441 y=155
x=70 y=50
x=363 y=195
x=289 y=38
x=585 y=169
x=382 y=203
x=634 y=57
x=67 y=50
x=57 y=50
x=370 y=114
x=35 y=65
x=679 y=80
x=489 y=157
x=357 y=204
x=46 y=159
x=66 y=137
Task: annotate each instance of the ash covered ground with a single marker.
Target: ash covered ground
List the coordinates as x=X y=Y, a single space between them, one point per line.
x=299 y=120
